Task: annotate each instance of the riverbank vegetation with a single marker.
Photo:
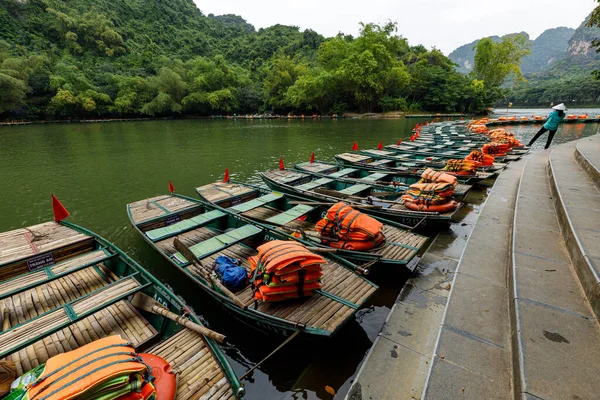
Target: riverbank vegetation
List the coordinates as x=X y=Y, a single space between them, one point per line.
x=117 y=58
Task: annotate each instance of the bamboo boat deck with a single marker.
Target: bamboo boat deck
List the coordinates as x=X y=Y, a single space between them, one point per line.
x=399 y=245
x=155 y=207
x=198 y=373
x=319 y=311
x=73 y=299
x=341 y=294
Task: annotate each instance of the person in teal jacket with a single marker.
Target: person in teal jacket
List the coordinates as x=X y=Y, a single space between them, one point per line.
x=554 y=118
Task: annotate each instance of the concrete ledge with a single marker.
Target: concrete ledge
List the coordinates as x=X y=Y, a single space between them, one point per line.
x=584 y=160
x=581 y=260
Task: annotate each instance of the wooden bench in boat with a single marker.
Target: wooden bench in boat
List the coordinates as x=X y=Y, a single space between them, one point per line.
x=19 y=336
x=220 y=242
x=375 y=176
x=381 y=163
x=354 y=189
x=289 y=215
x=183 y=226
x=258 y=202
x=314 y=184
x=343 y=172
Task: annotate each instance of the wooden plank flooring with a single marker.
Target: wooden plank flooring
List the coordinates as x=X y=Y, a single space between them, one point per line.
x=218 y=191
x=118 y=319
x=198 y=373
x=319 y=311
x=25 y=242
x=147 y=209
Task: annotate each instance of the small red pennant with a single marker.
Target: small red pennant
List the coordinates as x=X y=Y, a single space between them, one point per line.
x=380 y=146
x=355 y=146
x=171 y=188
x=312 y=158
x=226 y=177
x=399 y=142
x=60 y=212
x=281 y=166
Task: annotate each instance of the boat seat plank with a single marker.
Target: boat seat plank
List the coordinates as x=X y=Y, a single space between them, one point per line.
x=315 y=184
x=381 y=162
x=354 y=189
x=375 y=176
x=28 y=280
x=220 y=242
x=23 y=243
x=249 y=205
x=343 y=172
x=182 y=226
x=290 y=215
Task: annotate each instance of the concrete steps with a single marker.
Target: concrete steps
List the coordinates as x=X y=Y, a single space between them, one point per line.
x=555 y=335
x=472 y=358
x=587 y=154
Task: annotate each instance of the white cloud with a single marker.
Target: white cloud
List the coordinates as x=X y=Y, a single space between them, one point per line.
x=445 y=24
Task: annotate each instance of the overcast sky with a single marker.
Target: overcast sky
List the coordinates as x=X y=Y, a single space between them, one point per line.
x=445 y=24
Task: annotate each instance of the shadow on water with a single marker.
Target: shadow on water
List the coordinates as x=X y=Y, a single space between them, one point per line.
x=96 y=169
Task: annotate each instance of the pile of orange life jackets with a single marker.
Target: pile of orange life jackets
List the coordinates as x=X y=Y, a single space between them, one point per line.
x=431 y=176
x=107 y=368
x=284 y=270
x=435 y=197
x=495 y=149
x=461 y=167
x=343 y=227
x=483 y=159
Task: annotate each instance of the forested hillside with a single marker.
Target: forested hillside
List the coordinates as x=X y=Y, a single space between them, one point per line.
x=83 y=59
x=569 y=79
x=545 y=50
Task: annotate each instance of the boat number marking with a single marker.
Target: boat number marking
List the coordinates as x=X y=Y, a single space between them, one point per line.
x=40 y=261
x=173 y=219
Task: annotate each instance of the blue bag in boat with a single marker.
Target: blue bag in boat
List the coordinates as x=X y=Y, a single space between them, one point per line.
x=233 y=276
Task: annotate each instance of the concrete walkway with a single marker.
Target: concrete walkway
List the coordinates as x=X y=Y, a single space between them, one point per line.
x=521 y=315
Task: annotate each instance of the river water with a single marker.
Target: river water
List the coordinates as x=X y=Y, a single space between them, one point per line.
x=96 y=169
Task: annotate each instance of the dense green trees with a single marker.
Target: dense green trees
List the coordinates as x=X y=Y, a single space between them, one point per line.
x=127 y=58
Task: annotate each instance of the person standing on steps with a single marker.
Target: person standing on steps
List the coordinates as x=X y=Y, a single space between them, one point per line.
x=554 y=118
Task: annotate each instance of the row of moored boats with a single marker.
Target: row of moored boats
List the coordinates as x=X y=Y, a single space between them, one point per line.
x=83 y=320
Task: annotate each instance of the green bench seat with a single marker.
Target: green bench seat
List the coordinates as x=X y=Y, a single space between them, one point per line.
x=183 y=226
x=343 y=172
x=258 y=202
x=290 y=215
x=220 y=242
x=314 y=184
x=355 y=189
x=375 y=177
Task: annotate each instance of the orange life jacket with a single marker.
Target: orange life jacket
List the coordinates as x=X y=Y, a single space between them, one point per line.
x=495 y=149
x=431 y=176
x=72 y=374
x=421 y=206
x=461 y=167
x=345 y=223
x=483 y=159
x=426 y=189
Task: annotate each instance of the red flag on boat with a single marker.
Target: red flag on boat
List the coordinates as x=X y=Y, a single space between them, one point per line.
x=399 y=142
x=412 y=138
x=281 y=166
x=226 y=177
x=312 y=158
x=355 y=146
x=60 y=212
x=171 y=188
x=380 y=146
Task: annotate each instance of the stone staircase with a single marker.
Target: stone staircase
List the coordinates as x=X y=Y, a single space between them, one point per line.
x=522 y=316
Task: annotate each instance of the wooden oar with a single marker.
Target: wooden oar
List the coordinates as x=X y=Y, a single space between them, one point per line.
x=147 y=303
x=191 y=257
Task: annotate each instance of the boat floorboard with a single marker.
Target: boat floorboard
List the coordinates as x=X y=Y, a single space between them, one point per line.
x=392 y=249
x=154 y=207
x=318 y=311
x=118 y=319
x=218 y=191
x=198 y=373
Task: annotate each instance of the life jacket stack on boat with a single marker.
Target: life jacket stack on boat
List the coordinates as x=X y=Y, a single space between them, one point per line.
x=434 y=197
x=343 y=227
x=284 y=270
x=461 y=167
x=483 y=159
x=502 y=136
x=495 y=149
x=432 y=176
x=107 y=369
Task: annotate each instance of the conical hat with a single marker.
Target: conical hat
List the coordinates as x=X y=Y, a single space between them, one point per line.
x=560 y=107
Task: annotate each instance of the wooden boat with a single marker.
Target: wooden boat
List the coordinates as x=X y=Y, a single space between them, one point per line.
x=448 y=146
x=331 y=190
x=409 y=160
x=277 y=211
x=210 y=231
x=438 y=154
x=62 y=287
x=394 y=178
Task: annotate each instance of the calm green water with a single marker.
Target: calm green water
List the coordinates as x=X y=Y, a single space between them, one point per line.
x=96 y=169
